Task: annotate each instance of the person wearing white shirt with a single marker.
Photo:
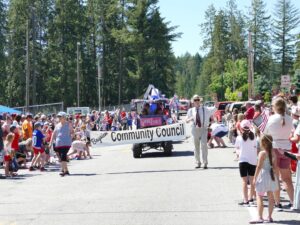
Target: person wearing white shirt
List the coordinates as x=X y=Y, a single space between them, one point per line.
x=200 y=116
x=218 y=131
x=280 y=126
x=247 y=146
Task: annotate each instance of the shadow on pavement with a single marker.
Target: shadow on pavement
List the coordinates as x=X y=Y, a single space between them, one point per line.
x=152 y=171
x=223 y=168
x=161 y=154
x=84 y=174
x=289 y=222
x=170 y=171
x=22 y=176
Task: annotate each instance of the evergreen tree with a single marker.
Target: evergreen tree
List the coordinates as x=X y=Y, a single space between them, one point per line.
x=236 y=31
x=3 y=48
x=297 y=81
x=66 y=31
x=297 y=61
x=286 y=20
x=18 y=18
x=259 y=23
x=207 y=27
x=220 y=45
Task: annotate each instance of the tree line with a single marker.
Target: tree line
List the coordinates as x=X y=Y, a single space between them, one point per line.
x=51 y=42
x=45 y=45
x=224 y=69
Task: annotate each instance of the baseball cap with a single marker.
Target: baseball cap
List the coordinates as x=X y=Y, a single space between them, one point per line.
x=245 y=124
x=37 y=124
x=62 y=114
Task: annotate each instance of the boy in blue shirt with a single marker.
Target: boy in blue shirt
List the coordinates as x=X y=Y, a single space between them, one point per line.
x=38 y=150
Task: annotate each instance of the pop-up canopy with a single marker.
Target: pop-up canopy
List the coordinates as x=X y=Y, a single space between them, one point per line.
x=5 y=109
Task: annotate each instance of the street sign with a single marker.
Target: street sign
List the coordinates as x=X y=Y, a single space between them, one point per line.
x=240 y=94
x=285 y=81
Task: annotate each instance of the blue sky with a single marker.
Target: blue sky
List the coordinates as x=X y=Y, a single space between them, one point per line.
x=189 y=14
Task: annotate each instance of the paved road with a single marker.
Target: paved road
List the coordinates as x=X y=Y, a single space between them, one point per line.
x=115 y=189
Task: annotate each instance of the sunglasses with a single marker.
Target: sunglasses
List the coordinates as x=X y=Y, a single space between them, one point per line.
x=197 y=100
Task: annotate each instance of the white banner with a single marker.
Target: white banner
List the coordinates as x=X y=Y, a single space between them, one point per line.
x=173 y=132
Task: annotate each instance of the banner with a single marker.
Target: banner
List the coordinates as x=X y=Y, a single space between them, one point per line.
x=173 y=132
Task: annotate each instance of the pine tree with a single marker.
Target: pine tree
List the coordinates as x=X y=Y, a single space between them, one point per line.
x=297 y=61
x=220 y=46
x=18 y=17
x=3 y=45
x=260 y=29
x=207 y=27
x=237 y=35
x=297 y=83
x=66 y=31
x=286 y=20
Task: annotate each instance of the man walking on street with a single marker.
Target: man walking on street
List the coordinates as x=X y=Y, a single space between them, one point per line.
x=200 y=116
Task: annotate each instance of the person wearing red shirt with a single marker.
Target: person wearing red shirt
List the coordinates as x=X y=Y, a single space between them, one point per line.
x=249 y=114
x=108 y=120
x=17 y=136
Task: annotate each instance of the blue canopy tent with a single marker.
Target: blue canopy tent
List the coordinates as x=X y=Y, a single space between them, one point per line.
x=5 y=109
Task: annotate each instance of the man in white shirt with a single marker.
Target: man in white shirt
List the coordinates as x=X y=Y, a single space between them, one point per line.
x=200 y=116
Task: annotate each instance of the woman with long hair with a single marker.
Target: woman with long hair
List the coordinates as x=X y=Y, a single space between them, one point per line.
x=247 y=146
x=279 y=126
x=264 y=178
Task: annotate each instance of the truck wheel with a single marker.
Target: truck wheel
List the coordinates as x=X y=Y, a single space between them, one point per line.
x=137 y=150
x=168 y=147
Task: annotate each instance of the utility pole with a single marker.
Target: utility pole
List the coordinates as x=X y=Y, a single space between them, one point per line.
x=78 y=81
x=121 y=60
x=34 y=56
x=99 y=84
x=250 y=67
x=27 y=68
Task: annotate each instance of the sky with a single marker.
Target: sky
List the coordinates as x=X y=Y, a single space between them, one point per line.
x=189 y=14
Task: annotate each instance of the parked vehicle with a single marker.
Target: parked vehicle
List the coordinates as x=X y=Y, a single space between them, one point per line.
x=209 y=103
x=238 y=105
x=184 y=106
x=78 y=110
x=221 y=110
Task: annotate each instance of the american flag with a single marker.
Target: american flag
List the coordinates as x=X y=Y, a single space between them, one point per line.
x=265 y=117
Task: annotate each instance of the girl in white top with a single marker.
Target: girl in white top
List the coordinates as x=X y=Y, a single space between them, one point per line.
x=264 y=178
x=247 y=146
x=280 y=126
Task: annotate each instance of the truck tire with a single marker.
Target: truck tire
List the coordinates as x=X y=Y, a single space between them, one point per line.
x=168 y=147
x=137 y=150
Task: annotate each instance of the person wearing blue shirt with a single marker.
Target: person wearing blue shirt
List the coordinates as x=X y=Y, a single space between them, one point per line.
x=38 y=150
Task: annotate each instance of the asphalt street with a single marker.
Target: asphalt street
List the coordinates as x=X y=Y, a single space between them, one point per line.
x=113 y=188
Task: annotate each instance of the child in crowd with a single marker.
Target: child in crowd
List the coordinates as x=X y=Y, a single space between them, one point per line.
x=264 y=178
x=115 y=124
x=129 y=121
x=79 y=147
x=246 y=145
x=47 y=132
x=85 y=136
x=240 y=118
x=232 y=129
x=8 y=154
x=38 y=150
x=23 y=153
